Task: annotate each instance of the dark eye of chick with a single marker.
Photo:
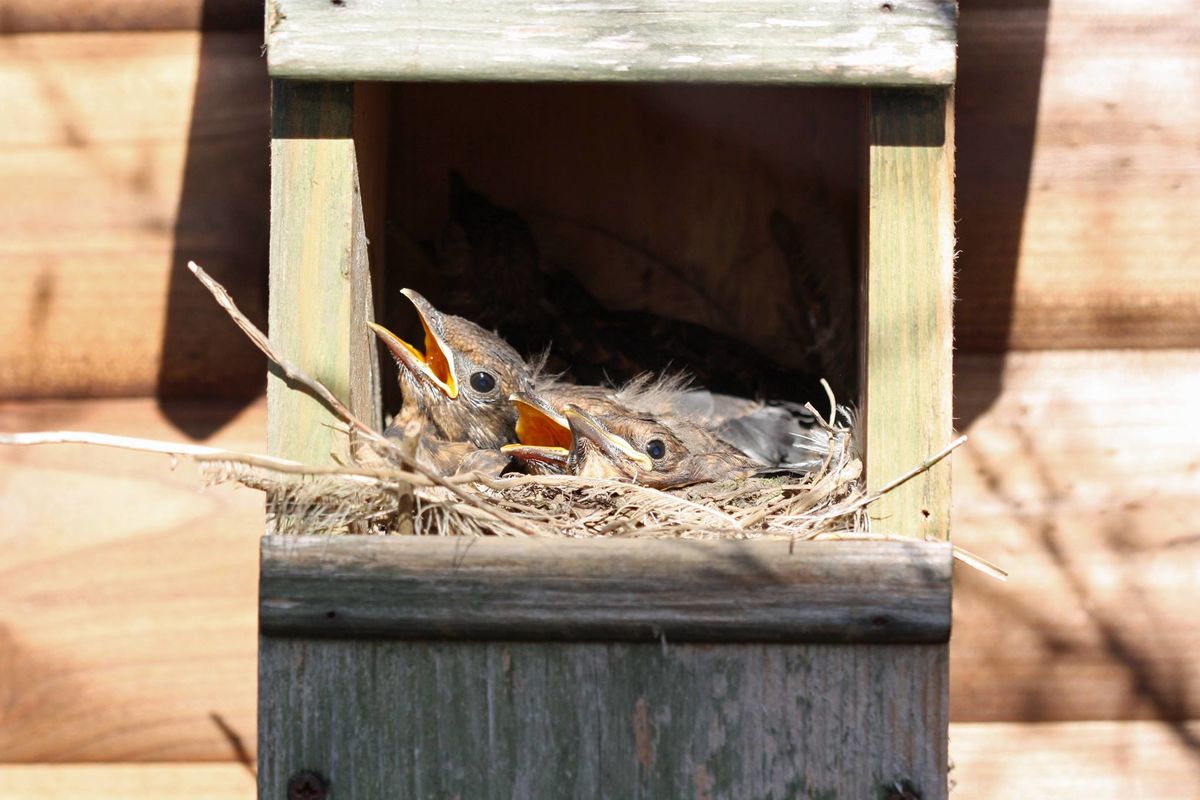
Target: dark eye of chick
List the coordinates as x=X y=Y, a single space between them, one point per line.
x=656 y=449
x=483 y=382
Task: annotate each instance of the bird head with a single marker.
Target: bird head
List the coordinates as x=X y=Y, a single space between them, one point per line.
x=646 y=450
x=460 y=383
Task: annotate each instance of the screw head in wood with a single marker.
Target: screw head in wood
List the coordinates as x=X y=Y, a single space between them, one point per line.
x=307 y=785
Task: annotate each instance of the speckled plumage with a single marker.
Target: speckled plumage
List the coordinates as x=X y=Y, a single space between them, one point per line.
x=484 y=419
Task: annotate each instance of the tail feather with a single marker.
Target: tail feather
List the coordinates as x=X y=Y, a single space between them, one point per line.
x=784 y=436
x=779 y=434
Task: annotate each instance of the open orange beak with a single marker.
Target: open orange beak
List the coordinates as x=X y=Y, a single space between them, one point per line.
x=538 y=424
x=436 y=363
x=543 y=433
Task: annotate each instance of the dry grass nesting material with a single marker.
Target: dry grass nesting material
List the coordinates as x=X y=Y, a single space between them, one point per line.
x=377 y=496
x=376 y=501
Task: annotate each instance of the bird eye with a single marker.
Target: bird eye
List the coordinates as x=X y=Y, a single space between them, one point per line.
x=483 y=382
x=656 y=449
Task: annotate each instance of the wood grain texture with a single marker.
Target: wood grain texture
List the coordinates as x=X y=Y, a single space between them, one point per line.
x=128 y=781
x=1093 y=519
x=34 y=16
x=605 y=589
x=484 y=720
x=316 y=238
x=1096 y=760
x=1077 y=160
x=96 y=223
x=905 y=314
x=1082 y=479
x=822 y=42
x=1100 y=253
x=908 y=258
x=1078 y=175
x=127 y=615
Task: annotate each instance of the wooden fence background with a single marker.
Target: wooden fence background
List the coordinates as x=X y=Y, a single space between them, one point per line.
x=135 y=137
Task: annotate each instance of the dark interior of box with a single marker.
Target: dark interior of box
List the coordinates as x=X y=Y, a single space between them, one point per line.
x=712 y=229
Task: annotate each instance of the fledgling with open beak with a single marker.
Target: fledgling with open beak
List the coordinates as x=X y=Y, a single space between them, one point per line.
x=619 y=443
x=458 y=386
x=645 y=450
x=775 y=436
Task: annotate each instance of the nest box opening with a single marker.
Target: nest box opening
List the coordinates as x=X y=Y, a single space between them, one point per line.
x=631 y=228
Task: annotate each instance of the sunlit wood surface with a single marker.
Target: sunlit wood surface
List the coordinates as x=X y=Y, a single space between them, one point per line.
x=129 y=628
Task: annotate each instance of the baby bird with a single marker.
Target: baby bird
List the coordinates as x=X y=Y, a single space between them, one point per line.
x=611 y=441
x=775 y=436
x=458 y=387
x=644 y=450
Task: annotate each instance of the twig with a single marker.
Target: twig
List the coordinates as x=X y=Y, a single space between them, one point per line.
x=290 y=370
x=205 y=454
x=980 y=563
x=297 y=375
x=912 y=473
x=196 y=451
x=908 y=476
x=109 y=440
x=832 y=401
x=406 y=502
x=614 y=524
x=410 y=439
x=961 y=553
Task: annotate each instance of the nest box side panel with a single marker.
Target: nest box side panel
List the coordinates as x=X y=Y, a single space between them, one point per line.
x=908 y=295
x=319 y=282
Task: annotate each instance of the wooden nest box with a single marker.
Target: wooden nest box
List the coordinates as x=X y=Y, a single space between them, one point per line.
x=648 y=147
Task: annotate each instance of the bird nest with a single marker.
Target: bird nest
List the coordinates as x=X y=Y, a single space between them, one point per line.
x=383 y=489
x=387 y=499
x=387 y=491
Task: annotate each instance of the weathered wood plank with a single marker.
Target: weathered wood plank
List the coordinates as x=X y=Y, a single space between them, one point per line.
x=605 y=589
x=906 y=300
x=372 y=105
x=767 y=41
x=121 y=157
x=534 y=720
x=315 y=216
x=908 y=268
x=992 y=761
